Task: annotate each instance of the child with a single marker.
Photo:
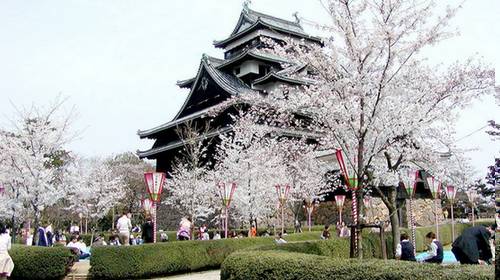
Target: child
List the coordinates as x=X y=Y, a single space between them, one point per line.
x=435 y=253
x=404 y=250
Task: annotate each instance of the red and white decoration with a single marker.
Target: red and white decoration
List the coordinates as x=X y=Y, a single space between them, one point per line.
x=339 y=201
x=154 y=186
x=450 y=194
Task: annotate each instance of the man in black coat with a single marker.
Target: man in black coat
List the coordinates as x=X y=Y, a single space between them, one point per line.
x=473 y=246
x=147 y=231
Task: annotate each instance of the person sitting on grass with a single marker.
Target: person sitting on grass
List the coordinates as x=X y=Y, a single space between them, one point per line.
x=279 y=239
x=79 y=247
x=99 y=241
x=326 y=232
x=205 y=235
x=216 y=236
x=114 y=240
x=435 y=253
x=404 y=250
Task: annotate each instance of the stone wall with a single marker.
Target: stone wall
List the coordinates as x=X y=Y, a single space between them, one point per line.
x=423 y=211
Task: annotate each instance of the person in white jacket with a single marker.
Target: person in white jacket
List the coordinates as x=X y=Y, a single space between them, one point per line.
x=124 y=225
x=6 y=263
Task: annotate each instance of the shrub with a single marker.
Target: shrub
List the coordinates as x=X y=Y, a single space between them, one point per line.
x=336 y=247
x=31 y=262
x=287 y=265
x=148 y=260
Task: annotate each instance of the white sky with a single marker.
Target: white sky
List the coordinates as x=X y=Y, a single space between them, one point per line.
x=118 y=60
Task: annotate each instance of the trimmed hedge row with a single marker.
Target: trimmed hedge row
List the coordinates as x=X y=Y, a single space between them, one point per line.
x=287 y=265
x=31 y=262
x=125 y=262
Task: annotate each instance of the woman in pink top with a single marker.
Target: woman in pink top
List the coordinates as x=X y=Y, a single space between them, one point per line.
x=184 y=232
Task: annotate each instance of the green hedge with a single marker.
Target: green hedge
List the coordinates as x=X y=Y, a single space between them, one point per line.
x=335 y=248
x=31 y=262
x=287 y=265
x=125 y=262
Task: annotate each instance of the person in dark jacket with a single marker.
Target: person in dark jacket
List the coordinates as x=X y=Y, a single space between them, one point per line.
x=405 y=250
x=473 y=246
x=435 y=253
x=42 y=237
x=147 y=231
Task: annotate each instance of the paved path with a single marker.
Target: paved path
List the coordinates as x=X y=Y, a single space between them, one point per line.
x=204 y=275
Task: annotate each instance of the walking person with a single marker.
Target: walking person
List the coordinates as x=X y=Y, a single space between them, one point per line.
x=435 y=253
x=473 y=246
x=405 y=250
x=147 y=231
x=6 y=263
x=124 y=225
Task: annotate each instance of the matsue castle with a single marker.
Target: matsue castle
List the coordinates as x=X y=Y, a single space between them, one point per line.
x=246 y=68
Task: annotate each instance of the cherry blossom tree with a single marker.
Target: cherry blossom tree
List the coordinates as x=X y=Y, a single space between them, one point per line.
x=95 y=188
x=375 y=96
x=34 y=159
x=190 y=187
x=128 y=166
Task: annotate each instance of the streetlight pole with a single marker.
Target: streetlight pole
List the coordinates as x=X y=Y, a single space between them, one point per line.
x=309 y=208
x=451 y=193
x=226 y=193
x=409 y=179
x=339 y=200
x=154 y=184
x=435 y=188
x=282 y=192
x=472 y=194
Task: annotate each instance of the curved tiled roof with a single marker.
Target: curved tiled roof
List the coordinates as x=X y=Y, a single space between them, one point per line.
x=230 y=83
x=249 y=20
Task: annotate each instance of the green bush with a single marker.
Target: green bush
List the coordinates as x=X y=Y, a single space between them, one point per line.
x=31 y=262
x=125 y=262
x=335 y=248
x=287 y=265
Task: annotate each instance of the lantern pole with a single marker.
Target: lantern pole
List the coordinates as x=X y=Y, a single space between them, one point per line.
x=472 y=198
x=282 y=192
x=154 y=184
x=435 y=188
x=226 y=195
x=410 y=181
x=339 y=200
x=309 y=206
x=450 y=193
x=352 y=183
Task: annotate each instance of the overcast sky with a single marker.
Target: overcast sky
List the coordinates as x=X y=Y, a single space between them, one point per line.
x=118 y=61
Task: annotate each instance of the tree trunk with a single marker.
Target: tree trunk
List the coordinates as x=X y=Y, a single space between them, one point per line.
x=390 y=202
x=395 y=228
x=14 y=229
x=36 y=224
